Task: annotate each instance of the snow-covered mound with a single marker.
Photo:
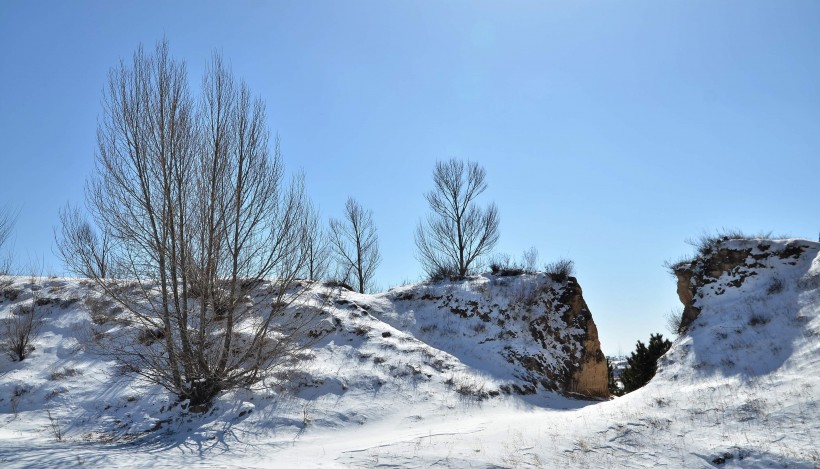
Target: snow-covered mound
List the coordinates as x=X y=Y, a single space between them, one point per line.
x=399 y=380
x=368 y=361
x=530 y=330
x=747 y=370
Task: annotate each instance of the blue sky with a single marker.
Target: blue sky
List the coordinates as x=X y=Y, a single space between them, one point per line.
x=611 y=131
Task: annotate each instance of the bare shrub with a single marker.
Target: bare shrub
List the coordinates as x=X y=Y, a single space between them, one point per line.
x=674 y=321
x=64 y=373
x=99 y=308
x=758 y=319
x=11 y=293
x=443 y=273
x=673 y=266
x=470 y=387
x=529 y=260
x=361 y=330
x=17 y=396
x=338 y=284
x=776 y=286
x=20 y=331
x=560 y=270
x=54 y=425
x=502 y=265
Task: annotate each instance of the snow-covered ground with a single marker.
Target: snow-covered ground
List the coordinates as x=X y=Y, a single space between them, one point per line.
x=391 y=387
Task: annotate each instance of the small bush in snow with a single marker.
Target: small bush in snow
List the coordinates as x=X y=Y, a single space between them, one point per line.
x=338 y=284
x=16 y=396
x=775 y=287
x=674 y=320
x=560 y=270
x=502 y=265
x=55 y=426
x=64 y=373
x=758 y=320
x=99 y=309
x=444 y=273
x=19 y=332
x=11 y=293
x=529 y=259
x=501 y=271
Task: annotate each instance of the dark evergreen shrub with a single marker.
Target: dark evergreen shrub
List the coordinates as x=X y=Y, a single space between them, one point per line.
x=643 y=362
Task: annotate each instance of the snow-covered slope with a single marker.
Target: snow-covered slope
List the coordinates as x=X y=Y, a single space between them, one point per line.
x=395 y=383
x=532 y=331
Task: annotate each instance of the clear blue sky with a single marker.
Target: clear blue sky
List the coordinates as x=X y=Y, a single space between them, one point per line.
x=610 y=131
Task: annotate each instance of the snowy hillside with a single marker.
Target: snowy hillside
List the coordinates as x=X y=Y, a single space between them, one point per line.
x=531 y=330
x=412 y=378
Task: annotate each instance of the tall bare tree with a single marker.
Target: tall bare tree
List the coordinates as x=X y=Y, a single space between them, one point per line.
x=356 y=245
x=457 y=232
x=317 y=246
x=8 y=217
x=80 y=247
x=199 y=215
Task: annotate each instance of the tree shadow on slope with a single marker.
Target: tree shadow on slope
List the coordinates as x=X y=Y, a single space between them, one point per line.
x=217 y=432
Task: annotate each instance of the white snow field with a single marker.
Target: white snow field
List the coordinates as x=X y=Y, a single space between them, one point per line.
x=396 y=383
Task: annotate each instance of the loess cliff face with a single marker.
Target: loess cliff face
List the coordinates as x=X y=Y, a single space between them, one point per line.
x=729 y=265
x=533 y=331
x=590 y=376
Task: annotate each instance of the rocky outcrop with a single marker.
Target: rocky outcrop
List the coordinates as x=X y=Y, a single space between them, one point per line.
x=590 y=374
x=538 y=328
x=563 y=326
x=734 y=261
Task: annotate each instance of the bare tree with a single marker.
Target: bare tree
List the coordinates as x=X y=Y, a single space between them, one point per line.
x=456 y=233
x=8 y=217
x=80 y=247
x=200 y=216
x=356 y=245
x=529 y=259
x=317 y=246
